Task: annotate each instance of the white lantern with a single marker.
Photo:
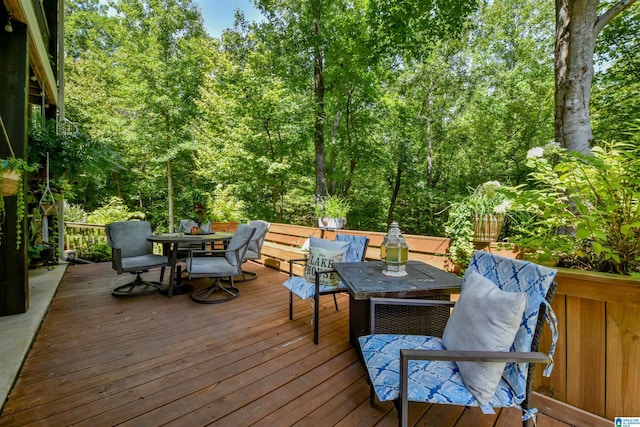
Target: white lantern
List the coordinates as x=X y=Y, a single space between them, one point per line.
x=394 y=252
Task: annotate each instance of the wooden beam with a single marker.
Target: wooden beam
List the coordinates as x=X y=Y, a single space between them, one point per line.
x=14 y=69
x=23 y=11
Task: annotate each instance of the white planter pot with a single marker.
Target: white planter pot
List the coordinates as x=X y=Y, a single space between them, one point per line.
x=331 y=223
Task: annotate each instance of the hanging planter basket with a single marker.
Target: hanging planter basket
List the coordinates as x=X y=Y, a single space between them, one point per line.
x=10 y=183
x=48 y=208
x=487 y=228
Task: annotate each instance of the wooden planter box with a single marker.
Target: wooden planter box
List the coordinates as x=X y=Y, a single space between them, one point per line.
x=597 y=361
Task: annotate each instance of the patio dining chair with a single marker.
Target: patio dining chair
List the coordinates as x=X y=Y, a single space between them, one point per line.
x=320 y=278
x=218 y=264
x=133 y=253
x=255 y=246
x=487 y=352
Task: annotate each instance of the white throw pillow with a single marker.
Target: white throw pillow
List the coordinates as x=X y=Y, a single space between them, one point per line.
x=485 y=318
x=320 y=260
x=332 y=245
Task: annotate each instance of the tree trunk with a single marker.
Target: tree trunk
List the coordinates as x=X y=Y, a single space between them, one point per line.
x=170 y=194
x=318 y=90
x=430 y=137
x=577 y=27
x=396 y=191
x=575 y=41
x=169 y=176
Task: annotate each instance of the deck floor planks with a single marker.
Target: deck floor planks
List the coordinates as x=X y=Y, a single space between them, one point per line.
x=102 y=361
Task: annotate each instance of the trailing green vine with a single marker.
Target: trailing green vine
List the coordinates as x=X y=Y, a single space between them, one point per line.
x=21 y=167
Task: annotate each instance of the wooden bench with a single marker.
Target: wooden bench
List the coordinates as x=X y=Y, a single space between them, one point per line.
x=283 y=242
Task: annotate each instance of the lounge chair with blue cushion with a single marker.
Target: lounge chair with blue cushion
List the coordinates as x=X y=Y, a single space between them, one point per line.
x=487 y=352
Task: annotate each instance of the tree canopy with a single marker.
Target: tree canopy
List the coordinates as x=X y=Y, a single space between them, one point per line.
x=402 y=106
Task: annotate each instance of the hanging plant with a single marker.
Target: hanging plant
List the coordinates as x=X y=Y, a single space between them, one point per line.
x=11 y=168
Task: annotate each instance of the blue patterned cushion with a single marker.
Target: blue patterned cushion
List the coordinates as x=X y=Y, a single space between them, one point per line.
x=304 y=289
x=357 y=247
x=518 y=276
x=429 y=381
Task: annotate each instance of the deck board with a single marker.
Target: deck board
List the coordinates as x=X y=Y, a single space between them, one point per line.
x=102 y=361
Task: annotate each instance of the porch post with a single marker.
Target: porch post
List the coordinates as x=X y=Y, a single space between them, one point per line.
x=14 y=69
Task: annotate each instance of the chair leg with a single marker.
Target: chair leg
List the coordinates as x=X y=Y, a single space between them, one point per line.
x=372 y=395
x=335 y=301
x=136 y=288
x=215 y=294
x=162 y=274
x=316 y=317
x=290 y=305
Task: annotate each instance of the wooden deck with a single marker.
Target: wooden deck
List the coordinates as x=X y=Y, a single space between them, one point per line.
x=151 y=361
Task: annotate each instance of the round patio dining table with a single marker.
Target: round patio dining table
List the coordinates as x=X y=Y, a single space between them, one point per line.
x=170 y=244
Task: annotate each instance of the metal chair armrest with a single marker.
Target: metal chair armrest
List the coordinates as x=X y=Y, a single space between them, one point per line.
x=456 y=355
x=291 y=261
x=474 y=356
x=317 y=274
x=207 y=251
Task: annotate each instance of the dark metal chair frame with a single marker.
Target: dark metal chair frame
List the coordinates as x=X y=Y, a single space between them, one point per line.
x=317 y=294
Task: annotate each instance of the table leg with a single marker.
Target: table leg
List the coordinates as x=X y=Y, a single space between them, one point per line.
x=174 y=288
x=171 y=250
x=358 y=320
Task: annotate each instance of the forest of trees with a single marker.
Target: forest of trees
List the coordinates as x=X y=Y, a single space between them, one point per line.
x=399 y=107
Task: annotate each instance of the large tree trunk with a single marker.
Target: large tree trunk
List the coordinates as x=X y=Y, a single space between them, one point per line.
x=318 y=90
x=575 y=41
x=577 y=27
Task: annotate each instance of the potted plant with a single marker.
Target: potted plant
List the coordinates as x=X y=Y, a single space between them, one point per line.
x=332 y=212
x=11 y=171
x=40 y=252
x=478 y=217
x=583 y=210
x=199 y=199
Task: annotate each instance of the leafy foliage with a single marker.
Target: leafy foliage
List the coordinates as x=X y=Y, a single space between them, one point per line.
x=486 y=199
x=423 y=100
x=586 y=208
x=332 y=207
x=113 y=211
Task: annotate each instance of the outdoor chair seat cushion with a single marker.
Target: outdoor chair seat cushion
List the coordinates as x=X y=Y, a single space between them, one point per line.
x=304 y=289
x=251 y=254
x=429 y=381
x=211 y=266
x=144 y=262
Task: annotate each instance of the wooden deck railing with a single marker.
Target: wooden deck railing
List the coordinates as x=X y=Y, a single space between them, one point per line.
x=83 y=237
x=597 y=361
x=596 y=371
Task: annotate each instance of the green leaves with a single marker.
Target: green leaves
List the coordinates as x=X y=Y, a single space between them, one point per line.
x=596 y=196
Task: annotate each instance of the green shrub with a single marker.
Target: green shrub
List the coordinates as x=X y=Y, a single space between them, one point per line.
x=584 y=209
x=113 y=211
